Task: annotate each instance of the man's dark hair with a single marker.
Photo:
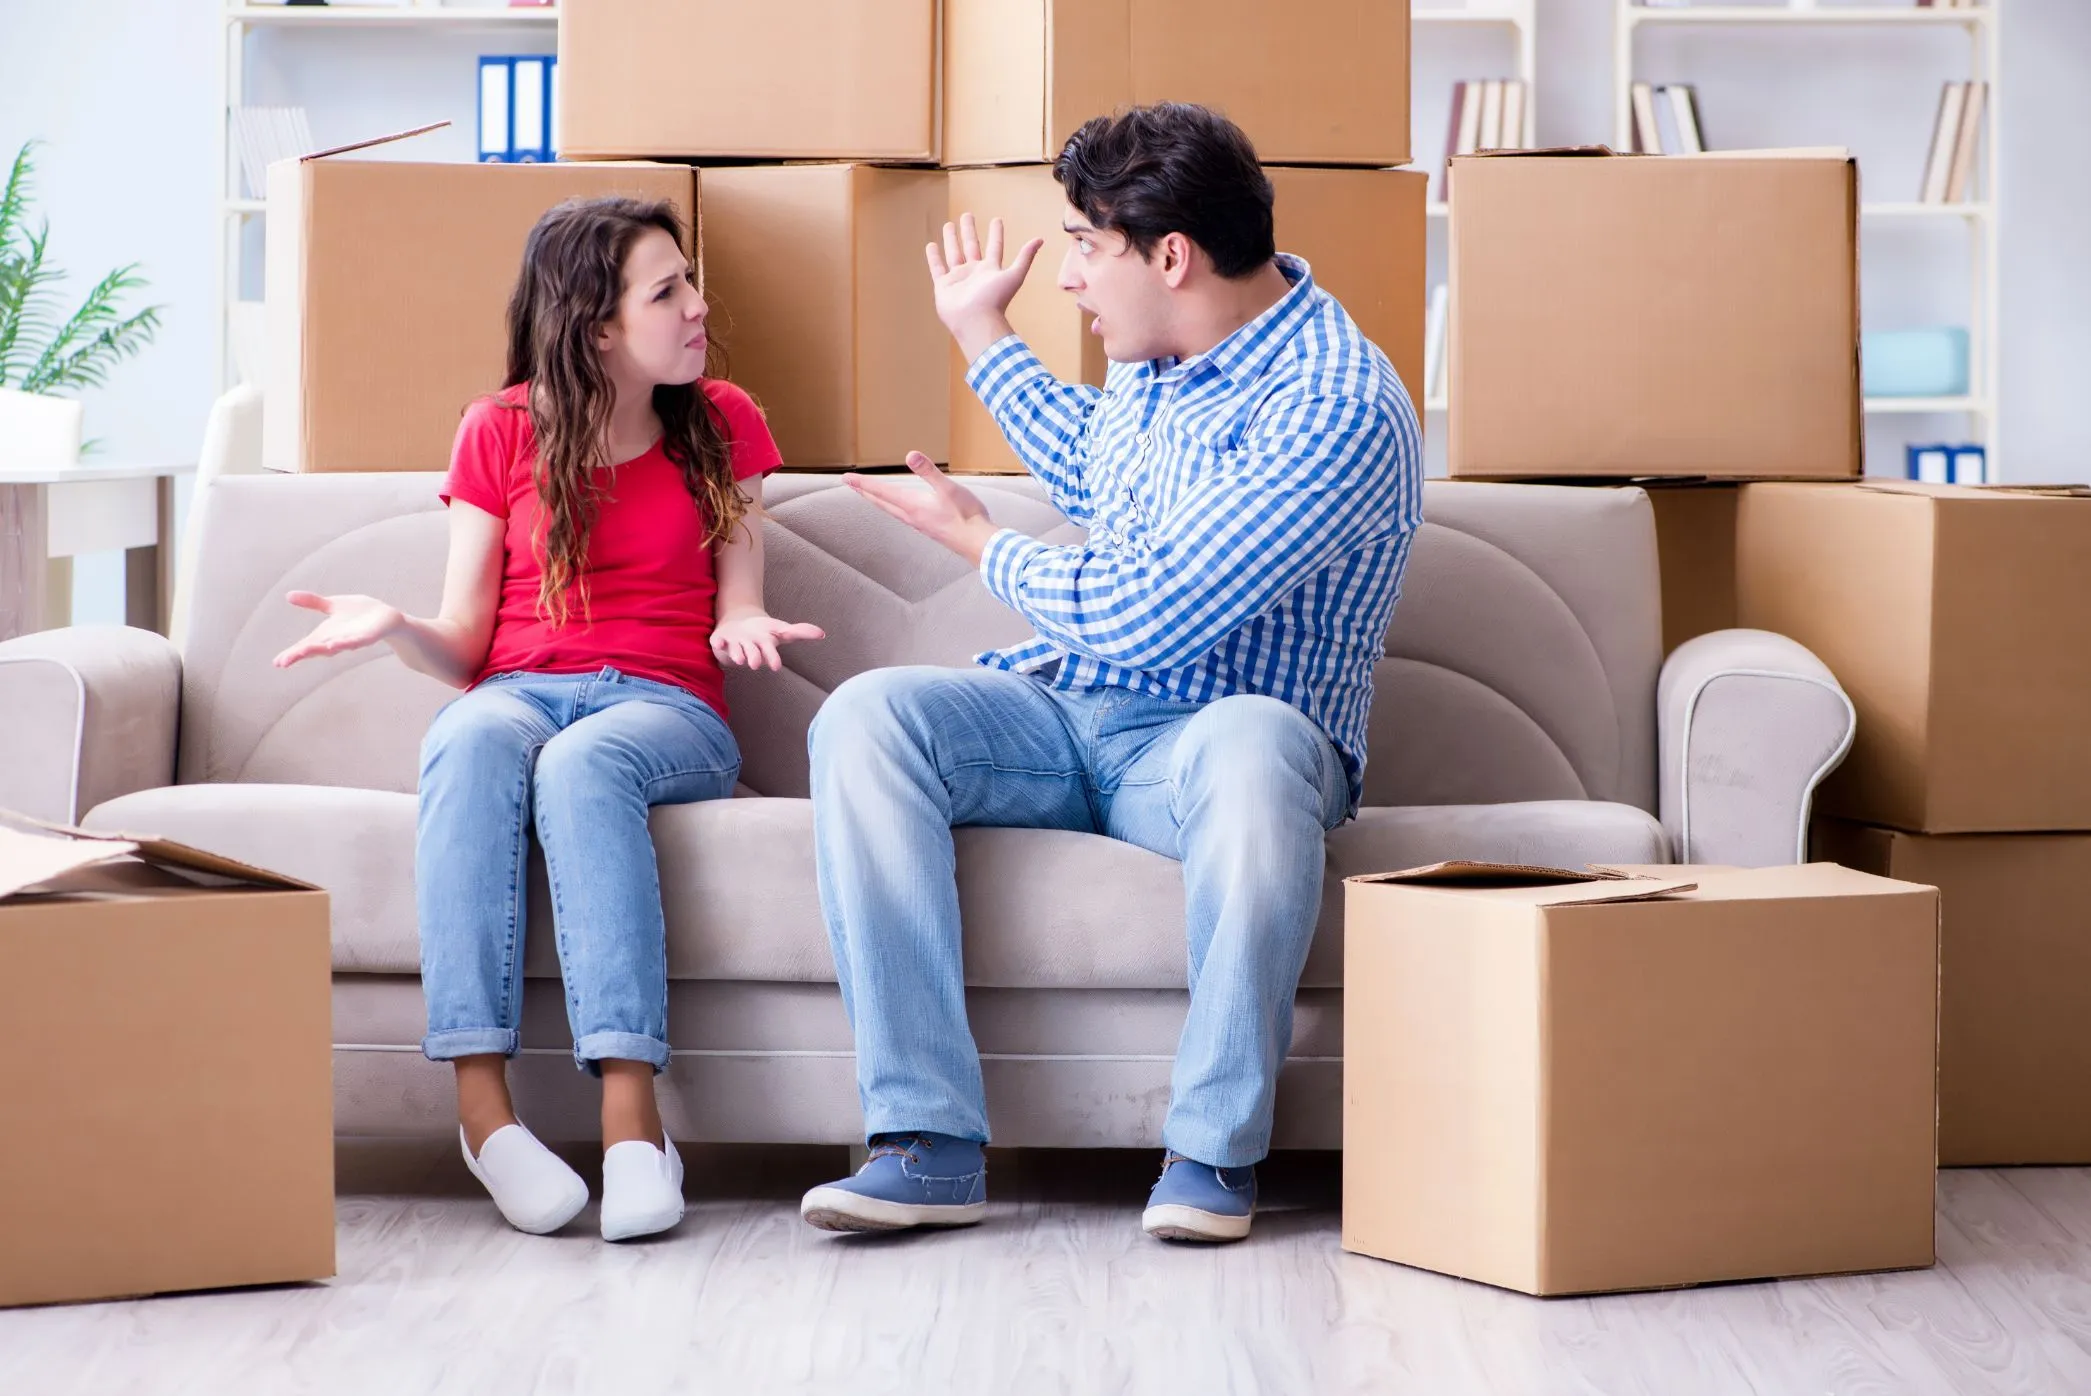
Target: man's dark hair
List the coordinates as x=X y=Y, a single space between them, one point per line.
x=1172 y=168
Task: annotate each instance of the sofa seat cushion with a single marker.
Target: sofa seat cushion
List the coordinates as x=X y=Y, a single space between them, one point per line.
x=1043 y=909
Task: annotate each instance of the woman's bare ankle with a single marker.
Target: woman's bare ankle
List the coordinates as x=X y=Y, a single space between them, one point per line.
x=630 y=1109
x=483 y=1104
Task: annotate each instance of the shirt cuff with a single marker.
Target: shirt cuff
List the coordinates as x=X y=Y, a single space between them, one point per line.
x=1003 y=561
x=1001 y=371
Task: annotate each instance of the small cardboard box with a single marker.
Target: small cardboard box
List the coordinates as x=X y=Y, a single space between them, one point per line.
x=823 y=304
x=2015 y=984
x=1959 y=621
x=1568 y=1083
x=388 y=284
x=1362 y=231
x=1618 y=315
x=168 y=1121
x=709 y=79
x=1695 y=540
x=1325 y=84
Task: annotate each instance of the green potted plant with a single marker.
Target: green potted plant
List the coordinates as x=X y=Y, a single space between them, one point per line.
x=45 y=354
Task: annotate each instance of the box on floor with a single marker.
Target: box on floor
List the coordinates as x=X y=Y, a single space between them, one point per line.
x=1327 y=85
x=388 y=285
x=168 y=1121
x=1959 y=621
x=822 y=301
x=2015 y=984
x=1689 y=316
x=1362 y=231
x=1563 y=1086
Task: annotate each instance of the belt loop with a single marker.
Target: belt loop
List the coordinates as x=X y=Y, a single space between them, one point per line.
x=610 y=675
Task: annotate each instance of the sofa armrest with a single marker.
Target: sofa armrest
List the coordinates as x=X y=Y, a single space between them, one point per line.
x=1749 y=724
x=90 y=715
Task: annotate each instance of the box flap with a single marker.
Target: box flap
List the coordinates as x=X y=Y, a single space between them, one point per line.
x=1545 y=152
x=374 y=140
x=1919 y=487
x=1540 y=886
x=33 y=851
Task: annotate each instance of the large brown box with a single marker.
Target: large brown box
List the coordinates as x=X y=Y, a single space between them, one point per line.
x=1695 y=541
x=1567 y=1087
x=822 y=301
x=388 y=286
x=689 y=79
x=1959 y=621
x=1362 y=231
x=1325 y=83
x=2015 y=984
x=167 y=1120
x=1630 y=316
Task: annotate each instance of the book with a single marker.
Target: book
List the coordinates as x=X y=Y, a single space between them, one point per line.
x=1491 y=137
x=1945 y=134
x=1669 y=139
x=1514 y=114
x=1452 y=125
x=1968 y=142
x=263 y=135
x=1684 y=110
x=1646 y=138
x=1434 y=341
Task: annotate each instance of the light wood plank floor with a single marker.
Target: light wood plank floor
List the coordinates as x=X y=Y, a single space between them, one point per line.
x=1057 y=1293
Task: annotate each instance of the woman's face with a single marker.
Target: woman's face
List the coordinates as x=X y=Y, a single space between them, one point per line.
x=658 y=336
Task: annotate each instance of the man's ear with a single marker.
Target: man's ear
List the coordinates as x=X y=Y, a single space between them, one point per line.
x=1174 y=255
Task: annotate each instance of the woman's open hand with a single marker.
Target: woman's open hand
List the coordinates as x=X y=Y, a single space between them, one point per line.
x=752 y=641
x=352 y=622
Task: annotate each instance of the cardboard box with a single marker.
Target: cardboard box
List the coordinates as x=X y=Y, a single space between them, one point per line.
x=1959 y=621
x=691 y=79
x=1631 y=316
x=1328 y=84
x=1695 y=540
x=1362 y=231
x=822 y=300
x=388 y=286
x=1568 y=1087
x=2015 y=984
x=169 y=1121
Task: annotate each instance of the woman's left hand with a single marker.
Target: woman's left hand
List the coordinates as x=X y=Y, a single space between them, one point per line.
x=752 y=641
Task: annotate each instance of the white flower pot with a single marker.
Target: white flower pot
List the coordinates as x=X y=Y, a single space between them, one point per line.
x=38 y=431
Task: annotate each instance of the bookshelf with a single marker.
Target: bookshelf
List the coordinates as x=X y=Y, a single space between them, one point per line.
x=1519 y=18
x=1982 y=25
x=237 y=213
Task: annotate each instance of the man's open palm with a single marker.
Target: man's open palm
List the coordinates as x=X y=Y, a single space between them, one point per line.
x=970 y=279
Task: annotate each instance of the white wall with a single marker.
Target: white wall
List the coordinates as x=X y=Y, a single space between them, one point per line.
x=125 y=93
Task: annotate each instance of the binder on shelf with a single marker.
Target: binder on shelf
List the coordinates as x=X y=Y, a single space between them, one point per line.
x=1967 y=142
x=1647 y=137
x=1684 y=110
x=1970 y=465
x=1945 y=141
x=1930 y=465
x=516 y=117
x=263 y=135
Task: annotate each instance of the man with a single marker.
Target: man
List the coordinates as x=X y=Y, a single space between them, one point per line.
x=1249 y=478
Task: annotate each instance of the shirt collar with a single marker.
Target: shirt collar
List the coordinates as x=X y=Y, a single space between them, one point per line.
x=1242 y=355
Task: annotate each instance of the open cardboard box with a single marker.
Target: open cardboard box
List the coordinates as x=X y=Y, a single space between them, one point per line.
x=167 y=1121
x=1567 y=1082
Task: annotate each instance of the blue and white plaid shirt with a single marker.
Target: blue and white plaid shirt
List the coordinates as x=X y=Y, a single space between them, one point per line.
x=1249 y=510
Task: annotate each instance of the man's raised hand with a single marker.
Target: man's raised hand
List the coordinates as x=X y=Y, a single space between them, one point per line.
x=973 y=288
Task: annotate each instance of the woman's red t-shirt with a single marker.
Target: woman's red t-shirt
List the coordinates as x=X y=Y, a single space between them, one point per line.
x=651 y=586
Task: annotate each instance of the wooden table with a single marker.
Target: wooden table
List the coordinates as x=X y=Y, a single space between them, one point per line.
x=50 y=516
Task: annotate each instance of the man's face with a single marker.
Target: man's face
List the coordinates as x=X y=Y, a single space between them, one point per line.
x=1123 y=294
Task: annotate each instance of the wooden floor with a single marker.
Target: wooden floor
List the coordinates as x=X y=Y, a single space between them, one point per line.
x=1058 y=1292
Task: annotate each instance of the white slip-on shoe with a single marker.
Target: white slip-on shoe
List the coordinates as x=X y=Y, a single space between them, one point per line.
x=642 y=1189
x=532 y=1186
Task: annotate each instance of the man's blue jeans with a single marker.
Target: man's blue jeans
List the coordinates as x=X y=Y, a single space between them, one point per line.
x=581 y=757
x=1241 y=791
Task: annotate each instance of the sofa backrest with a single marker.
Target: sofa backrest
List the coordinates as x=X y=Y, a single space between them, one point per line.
x=1521 y=664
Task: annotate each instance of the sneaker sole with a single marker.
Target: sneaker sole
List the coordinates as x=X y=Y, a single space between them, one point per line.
x=834 y=1209
x=632 y=1228
x=1176 y=1222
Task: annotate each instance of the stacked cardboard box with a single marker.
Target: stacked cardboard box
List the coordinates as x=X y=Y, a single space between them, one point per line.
x=816 y=272
x=1954 y=618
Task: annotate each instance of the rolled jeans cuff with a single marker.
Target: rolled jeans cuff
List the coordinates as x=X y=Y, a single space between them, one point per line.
x=453 y=1043
x=619 y=1046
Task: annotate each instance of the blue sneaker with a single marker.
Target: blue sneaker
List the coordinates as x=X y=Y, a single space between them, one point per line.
x=1194 y=1201
x=910 y=1180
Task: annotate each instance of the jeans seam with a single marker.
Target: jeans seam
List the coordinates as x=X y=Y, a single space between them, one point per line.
x=518 y=881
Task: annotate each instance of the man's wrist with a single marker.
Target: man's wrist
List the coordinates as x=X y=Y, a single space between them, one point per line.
x=979 y=332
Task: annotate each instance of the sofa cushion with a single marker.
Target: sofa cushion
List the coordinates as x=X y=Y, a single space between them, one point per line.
x=1042 y=908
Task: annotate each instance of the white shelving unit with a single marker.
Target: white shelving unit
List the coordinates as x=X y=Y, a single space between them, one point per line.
x=1982 y=23
x=234 y=210
x=1520 y=17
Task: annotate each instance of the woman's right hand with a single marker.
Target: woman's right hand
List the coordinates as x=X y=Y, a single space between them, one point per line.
x=352 y=622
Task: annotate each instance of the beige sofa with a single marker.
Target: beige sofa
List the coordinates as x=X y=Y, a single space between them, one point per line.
x=1524 y=712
